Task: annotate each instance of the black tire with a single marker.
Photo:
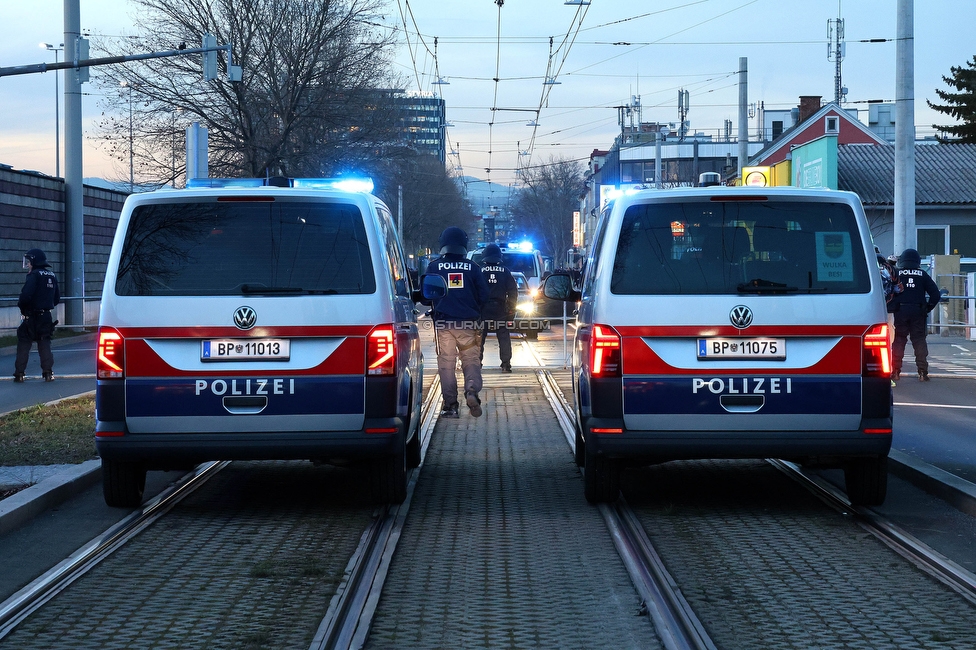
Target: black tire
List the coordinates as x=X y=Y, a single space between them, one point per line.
x=123 y=483
x=580 y=451
x=601 y=479
x=388 y=477
x=866 y=480
x=413 y=450
x=532 y=334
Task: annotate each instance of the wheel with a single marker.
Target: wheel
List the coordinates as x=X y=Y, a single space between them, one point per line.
x=123 y=483
x=532 y=334
x=867 y=481
x=388 y=477
x=601 y=478
x=580 y=451
x=413 y=450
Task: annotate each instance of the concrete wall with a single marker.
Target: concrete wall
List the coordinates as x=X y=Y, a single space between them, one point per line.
x=32 y=216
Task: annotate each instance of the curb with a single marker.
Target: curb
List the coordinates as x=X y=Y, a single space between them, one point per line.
x=957 y=492
x=29 y=503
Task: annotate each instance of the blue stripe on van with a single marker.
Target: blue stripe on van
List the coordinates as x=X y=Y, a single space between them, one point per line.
x=204 y=396
x=782 y=395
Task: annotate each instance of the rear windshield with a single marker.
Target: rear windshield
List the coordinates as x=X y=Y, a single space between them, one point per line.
x=514 y=262
x=244 y=248
x=739 y=247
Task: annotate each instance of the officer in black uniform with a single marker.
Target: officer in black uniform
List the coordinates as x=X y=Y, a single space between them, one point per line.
x=502 y=301
x=38 y=297
x=457 y=322
x=919 y=296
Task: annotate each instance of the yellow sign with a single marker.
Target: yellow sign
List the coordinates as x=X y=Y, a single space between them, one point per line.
x=756 y=176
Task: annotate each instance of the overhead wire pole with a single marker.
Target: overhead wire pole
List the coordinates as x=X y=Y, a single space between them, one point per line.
x=74 y=191
x=905 y=235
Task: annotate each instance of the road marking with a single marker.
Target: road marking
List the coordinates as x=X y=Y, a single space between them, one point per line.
x=941 y=406
x=960 y=348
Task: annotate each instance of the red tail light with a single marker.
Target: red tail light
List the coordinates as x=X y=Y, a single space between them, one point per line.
x=381 y=351
x=605 y=352
x=876 y=352
x=110 y=363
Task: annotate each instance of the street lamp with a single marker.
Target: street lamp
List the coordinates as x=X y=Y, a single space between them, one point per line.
x=132 y=176
x=57 y=116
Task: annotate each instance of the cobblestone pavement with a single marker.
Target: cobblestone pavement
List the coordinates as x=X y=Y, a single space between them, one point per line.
x=251 y=559
x=500 y=550
x=765 y=565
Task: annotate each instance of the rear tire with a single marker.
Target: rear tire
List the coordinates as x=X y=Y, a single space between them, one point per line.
x=388 y=477
x=866 y=480
x=532 y=334
x=580 y=451
x=601 y=479
x=413 y=451
x=123 y=483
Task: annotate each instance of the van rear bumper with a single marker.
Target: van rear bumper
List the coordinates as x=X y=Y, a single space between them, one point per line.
x=162 y=450
x=661 y=446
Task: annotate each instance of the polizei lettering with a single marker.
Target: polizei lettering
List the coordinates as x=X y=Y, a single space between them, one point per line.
x=743 y=385
x=246 y=386
x=454 y=266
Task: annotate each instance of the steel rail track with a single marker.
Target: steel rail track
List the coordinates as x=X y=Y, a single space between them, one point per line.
x=346 y=623
x=676 y=623
x=911 y=548
x=29 y=599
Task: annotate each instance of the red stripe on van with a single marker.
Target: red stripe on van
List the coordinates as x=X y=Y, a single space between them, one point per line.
x=843 y=359
x=141 y=361
x=702 y=331
x=234 y=333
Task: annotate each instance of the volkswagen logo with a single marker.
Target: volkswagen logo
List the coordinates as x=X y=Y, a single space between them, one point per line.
x=245 y=317
x=741 y=317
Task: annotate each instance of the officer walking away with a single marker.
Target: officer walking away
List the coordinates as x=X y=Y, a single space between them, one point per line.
x=38 y=297
x=457 y=322
x=919 y=296
x=500 y=308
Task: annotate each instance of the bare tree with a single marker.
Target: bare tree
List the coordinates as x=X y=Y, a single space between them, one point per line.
x=544 y=207
x=308 y=104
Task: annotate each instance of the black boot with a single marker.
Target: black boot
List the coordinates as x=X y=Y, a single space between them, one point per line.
x=18 y=377
x=923 y=375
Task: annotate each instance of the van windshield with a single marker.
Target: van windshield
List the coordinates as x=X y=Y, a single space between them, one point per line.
x=211 y=248
x=739 y=247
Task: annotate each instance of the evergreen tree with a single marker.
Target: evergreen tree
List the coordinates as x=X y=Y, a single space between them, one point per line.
x=960 y=105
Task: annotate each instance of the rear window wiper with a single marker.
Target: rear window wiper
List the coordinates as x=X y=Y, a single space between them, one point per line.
x=758 y=285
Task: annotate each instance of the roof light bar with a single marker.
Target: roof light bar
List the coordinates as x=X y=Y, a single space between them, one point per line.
x=361 y=185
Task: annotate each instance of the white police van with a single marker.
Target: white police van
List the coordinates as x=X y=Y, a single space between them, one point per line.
x=731 y=323
x=257 y=319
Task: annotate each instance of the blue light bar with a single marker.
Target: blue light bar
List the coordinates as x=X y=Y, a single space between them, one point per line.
x=359 y=185
x=363 y=185
x=526 y=246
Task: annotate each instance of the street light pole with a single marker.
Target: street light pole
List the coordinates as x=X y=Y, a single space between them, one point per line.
x=57 y=115
x=132 y=175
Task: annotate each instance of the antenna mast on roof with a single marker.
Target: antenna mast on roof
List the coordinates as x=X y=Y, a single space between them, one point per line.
x=836 y=49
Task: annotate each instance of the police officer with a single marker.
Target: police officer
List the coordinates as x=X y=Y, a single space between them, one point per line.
x=457 y=322
x=38 y=297
x=919 y=296
x=500 y=308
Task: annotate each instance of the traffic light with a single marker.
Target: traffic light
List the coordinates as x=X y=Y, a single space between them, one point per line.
x=209 y=58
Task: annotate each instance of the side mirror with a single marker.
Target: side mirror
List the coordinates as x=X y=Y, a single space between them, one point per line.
x=433 y=286
x=559 y=286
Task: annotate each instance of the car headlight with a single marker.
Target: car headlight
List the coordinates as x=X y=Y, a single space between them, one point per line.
x=526 y=307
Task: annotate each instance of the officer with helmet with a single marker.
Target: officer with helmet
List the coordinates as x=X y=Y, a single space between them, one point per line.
x=38 y=297
x=919 y=296
x=502 y=301
x=457 y=318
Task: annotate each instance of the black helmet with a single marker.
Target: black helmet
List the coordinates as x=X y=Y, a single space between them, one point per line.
x=492 y=254
x=37 y=258
x=909 y=259
x=454 y=241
